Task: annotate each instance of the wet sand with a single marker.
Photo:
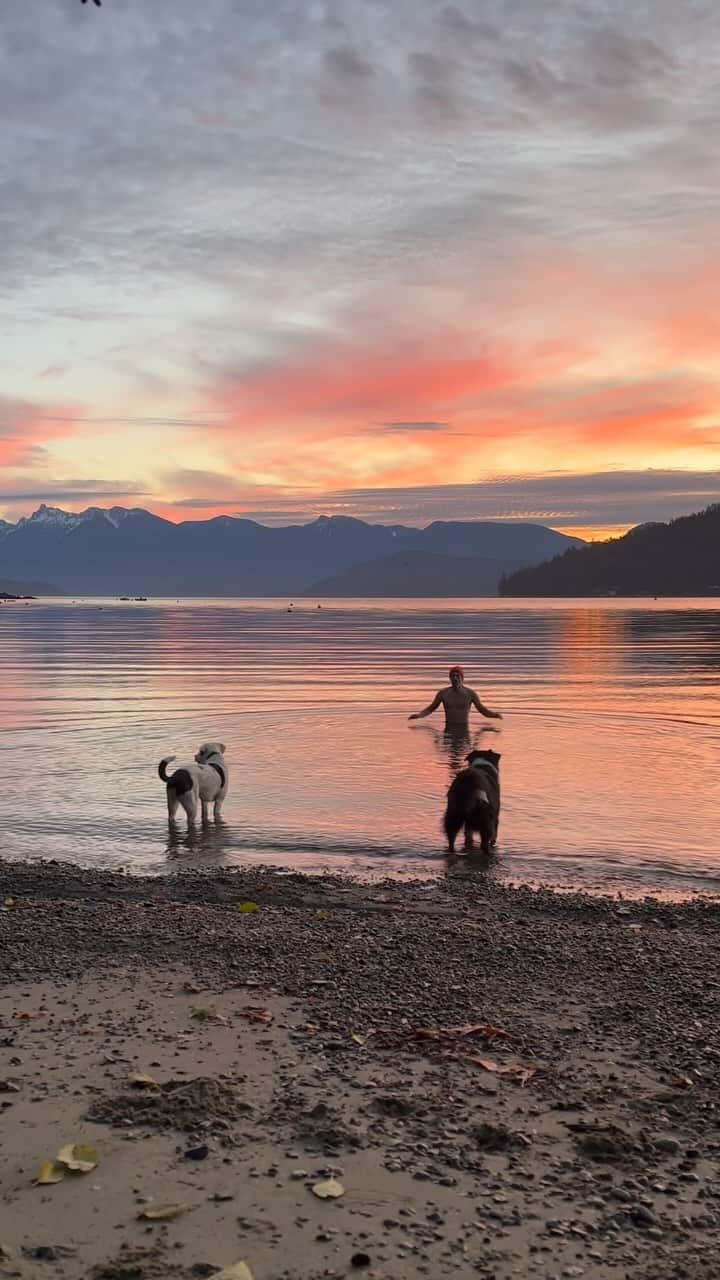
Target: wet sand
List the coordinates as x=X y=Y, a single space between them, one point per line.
x=504 y=1082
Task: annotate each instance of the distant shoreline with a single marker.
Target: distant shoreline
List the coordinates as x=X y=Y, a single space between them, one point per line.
x=309 y=603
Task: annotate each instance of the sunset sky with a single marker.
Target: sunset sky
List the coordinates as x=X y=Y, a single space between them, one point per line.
x=398 y=259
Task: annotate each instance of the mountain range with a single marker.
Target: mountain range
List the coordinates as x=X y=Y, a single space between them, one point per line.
x=681 y=558
x=121 y=551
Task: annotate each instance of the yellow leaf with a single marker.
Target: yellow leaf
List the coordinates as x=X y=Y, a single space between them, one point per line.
x=329 y=1190
x=142 y=1081
x=322 y=915
x=49 y=1172
x=77 y=1157
x=15 y=904
x=322 y=957
x=248 y=908
x=163 y=1212
x=238 y=1271
x=358 y=1039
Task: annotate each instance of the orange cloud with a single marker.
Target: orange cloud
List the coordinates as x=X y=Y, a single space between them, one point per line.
x=25 y=426
x=360 y=385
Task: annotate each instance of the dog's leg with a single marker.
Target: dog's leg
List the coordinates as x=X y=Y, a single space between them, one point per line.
x=188 y=801
x=172 y=804
x=452 y=825
x=468 y=837
x=217 y=809
x=203 y=811
x=486 y=833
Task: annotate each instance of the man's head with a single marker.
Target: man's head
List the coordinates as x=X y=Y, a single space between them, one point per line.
x=457 y=675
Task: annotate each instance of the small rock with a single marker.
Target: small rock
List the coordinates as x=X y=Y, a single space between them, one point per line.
x=642 y=1217
x=669 y=1145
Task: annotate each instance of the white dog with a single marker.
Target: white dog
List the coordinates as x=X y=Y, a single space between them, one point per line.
x=205 y=781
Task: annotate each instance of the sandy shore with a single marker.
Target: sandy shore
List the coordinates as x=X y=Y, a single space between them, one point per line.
x=505 y=1083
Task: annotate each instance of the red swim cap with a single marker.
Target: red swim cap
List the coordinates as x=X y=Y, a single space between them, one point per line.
x=456 y=671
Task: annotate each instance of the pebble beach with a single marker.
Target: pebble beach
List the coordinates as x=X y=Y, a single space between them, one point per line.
x=493 y=1082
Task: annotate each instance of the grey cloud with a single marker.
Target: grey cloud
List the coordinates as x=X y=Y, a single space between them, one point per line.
x=617 y=56
x=216 y=486
x=561 y=500
x=533 y=81
x=457 y=22
x=347 y=64
x=71 y=491
x=203 y=420
x=111 y=187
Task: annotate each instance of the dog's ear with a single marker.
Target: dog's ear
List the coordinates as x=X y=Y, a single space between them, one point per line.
x=223 y=748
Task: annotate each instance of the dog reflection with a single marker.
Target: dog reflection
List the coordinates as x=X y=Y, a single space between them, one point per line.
x=210 y=841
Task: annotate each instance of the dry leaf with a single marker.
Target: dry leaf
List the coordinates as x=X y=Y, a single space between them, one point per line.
x=140 y=1080
x=256 y=1014
x=521 y=1074
x=322 y=957
x=248 y=908
x=192 y=988
x=357 y=1039
x=15 y=904
x=328 y=1190
x=322 y=915
x=238 y=1271
x=466 y=1029
x=163 y=1212
x=78 y=1157
x=49 y=1172
x=481 y=1029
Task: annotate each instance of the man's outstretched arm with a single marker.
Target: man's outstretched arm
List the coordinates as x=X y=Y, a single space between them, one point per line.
x=484 y=711
x=426 y=711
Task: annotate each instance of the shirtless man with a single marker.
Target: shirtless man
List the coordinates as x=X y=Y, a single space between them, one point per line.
x=456 y=702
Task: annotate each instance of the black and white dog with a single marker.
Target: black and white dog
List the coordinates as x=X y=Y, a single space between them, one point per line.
x=204 y=782
x=473 y=801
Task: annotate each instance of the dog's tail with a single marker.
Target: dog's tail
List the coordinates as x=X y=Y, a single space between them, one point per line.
x=180 y=780
x=162 y=767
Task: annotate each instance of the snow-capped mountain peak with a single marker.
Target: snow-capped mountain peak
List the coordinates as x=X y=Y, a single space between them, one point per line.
x=65 y=521
x=51 y=517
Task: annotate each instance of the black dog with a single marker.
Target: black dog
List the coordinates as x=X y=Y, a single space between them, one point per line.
x=473 y=801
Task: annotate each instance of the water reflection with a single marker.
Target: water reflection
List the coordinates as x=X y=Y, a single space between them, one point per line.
x=453 y=745
x=211 y=841
x=473 y=865
x=610 y=709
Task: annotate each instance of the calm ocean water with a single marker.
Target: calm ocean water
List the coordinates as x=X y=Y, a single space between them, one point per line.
x=610 y=741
